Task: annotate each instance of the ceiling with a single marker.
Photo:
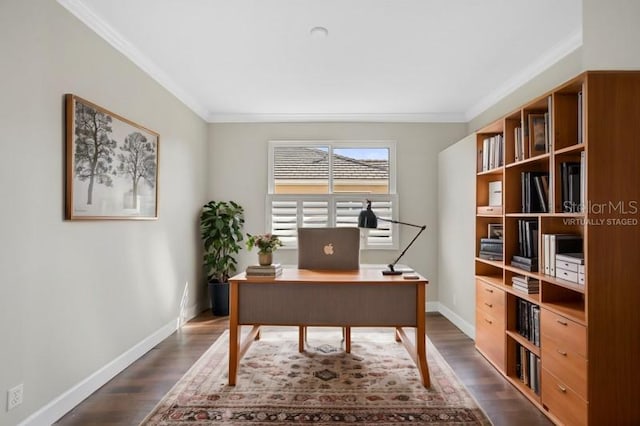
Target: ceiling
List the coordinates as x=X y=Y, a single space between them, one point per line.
x=383 y=60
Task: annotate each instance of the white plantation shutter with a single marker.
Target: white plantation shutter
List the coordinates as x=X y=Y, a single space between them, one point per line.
x=315 y=214
x=288 y=212
x=382 y=236
x=347 y=211
x=284 y=220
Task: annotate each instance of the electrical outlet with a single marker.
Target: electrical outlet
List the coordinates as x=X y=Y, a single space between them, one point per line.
x=14 y=396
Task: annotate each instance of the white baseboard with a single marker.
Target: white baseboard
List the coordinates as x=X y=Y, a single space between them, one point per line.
x=464 y=326
x=433 y=306
x=61 y=405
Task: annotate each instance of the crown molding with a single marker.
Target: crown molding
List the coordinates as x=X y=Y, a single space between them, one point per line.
x=118 y=42
x=111 y=36
x=544 y=62
x=369 y=118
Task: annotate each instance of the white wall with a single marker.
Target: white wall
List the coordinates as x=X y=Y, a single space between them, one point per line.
x=611 y=34
x=238 y=159
x=74 y=296
x=456 y=222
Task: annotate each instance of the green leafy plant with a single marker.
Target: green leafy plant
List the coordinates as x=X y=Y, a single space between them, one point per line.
x=221 y=231
x=266 y=243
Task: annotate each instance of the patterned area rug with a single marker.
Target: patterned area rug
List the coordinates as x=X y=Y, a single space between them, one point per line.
x=377 y=383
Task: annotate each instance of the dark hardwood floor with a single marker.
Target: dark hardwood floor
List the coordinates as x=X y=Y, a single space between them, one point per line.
x=132 y=394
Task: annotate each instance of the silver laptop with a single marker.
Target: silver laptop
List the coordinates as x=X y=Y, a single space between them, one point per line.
x=329 y=248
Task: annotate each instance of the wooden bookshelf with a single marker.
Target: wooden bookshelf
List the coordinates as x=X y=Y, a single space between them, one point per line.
x=584 y=136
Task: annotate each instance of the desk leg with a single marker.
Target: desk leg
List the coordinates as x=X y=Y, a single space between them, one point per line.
x=302 y=337
x=347 y=339
x=421 y=350
x=234 y=333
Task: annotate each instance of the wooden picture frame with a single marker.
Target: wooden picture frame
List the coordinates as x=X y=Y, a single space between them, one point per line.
x=111 y=165
x=495 y=231
x=537 y=134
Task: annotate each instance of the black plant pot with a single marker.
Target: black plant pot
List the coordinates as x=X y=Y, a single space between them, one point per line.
x=219 y=295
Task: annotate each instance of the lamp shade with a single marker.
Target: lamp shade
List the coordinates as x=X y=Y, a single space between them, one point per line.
x=367 y=218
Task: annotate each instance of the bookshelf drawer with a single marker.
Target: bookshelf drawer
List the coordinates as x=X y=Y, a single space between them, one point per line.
x=490 y=337
x=561 y=401
x=564 y=332
x=566 y=365
x=490 y=299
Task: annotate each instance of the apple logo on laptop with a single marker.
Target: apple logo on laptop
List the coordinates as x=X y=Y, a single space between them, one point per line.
x=328 y=249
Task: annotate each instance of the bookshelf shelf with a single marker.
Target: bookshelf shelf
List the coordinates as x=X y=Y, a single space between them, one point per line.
x=495 y=263
x=573 y=311
x=496 y=171
x=533 y=298
x=528 y=161
x=494 y=280
x=526 y=390
x=570 y=150
x=524 y=342
x=562 y=283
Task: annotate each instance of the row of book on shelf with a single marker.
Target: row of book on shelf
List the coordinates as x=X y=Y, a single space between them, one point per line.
x=572 y=185
x=528 y=320
x=491 y=154
x=535 y=189
x=528 y=368
x=534 y=192
x=527 y=257
x=272 y=270
x=562 y=254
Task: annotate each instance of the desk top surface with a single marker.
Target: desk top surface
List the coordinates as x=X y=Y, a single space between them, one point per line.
x=363 y=275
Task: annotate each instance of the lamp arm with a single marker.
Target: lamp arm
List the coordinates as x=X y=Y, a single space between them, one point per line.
x=402 y=223
x=422 y=228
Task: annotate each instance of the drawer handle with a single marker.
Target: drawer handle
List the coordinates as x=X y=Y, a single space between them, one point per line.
x=562 y=322
x=563 y=353
x=489 y=304
x=489 y=321
x=562 y=389
x=488 y=290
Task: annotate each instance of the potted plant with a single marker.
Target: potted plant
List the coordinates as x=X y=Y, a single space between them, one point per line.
x=266 y=243
x=221 y=231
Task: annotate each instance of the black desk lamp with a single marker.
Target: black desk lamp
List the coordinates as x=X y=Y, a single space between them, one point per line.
x=368 y=219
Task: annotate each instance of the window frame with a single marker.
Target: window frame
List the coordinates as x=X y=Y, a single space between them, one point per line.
x=331 y=196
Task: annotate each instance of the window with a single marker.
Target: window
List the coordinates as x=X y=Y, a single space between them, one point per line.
x=326 y=183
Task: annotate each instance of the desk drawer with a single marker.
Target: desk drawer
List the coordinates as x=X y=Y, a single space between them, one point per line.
x=561 y=401
x=568 y=335
x=489 y=298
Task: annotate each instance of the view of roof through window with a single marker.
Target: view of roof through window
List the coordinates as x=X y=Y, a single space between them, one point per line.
x=305 y=170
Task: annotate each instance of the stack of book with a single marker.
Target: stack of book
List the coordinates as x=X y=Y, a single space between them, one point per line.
x=273 y=270
x=529 y=264
x=491 y=249
x=525 y=284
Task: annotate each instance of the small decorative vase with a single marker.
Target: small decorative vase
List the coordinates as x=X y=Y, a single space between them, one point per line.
x=265 y=259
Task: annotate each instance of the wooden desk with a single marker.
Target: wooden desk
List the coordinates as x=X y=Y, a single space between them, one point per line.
x=302 y=297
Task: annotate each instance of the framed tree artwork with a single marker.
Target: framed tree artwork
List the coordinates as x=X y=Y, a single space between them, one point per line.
x=111 y=165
